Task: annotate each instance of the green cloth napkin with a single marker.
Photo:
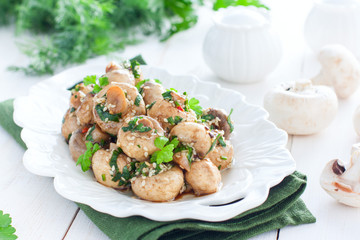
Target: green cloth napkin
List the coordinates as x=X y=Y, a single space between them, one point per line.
x=283 y=207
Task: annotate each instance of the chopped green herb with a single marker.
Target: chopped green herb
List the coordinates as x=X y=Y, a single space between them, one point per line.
x=134 y=67
x=106 y=116
x=165 y=154
x=193 y=104
x=133 y=126
x=214 y=143
x=76 y=96
x=139 y=84
x=75 y=87
x=137 y=100
x=219 y=167
x=190 y=154
x=150 y=105
x=222 y=142
x=175 y=120
x=223 y=158
x=167 y=95
x=138 y=146
x=113 y=159
x=89 y=136
x=208 y=117
x=72 y=110
x=103 y=81
x=229 y=121
x=103 y=176
x=69 y=136
x=102 y=142
x=158 y=81
x=6 y=230
x=91 y=79
x=85 y=159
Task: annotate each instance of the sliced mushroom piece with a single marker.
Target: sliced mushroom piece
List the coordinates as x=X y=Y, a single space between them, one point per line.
x=343 y=183
x=340 y=69
x=219 y=120
x=70 y=124
x=222 y=156
x=301 y=108
x=84 y=112
x=137 y=135
x=204 y=177
x=77 y=144
x=195 y=135
x=102 y=169
x=162 y=187
x=168 y=115
x=116 y=100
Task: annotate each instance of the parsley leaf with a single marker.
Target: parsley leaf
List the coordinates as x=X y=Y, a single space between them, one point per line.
x=193 y=104
x=91 y=79
x=133 y=126
x=6 y=230
x=165 y=154
x=137 y=100
x=139 y=84
x=226 y=3
x=85 y=159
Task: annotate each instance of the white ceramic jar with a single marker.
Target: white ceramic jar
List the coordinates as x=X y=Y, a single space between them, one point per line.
x=334 y=22
x=241 y=47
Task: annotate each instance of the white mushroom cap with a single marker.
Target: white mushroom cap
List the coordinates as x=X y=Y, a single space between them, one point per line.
x=340 y=69
x=300 y=108
x=342 y=183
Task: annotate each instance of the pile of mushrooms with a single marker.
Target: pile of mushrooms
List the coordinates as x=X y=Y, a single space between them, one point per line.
x=114 y=127
x=307 y=107
x=341 y=181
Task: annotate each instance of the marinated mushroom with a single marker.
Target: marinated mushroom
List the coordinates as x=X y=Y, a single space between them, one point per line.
x=343 y=182
x=340 y=69
x=117 y=73
x=162 y=187
x=204 y=177
x=96 y=135
x=222 y=156
x=83 y=113
x=301 y=108
x=137 y=135
x=103 y=172
x=194 y=135
x=218 y=119
x=77 y=144
x=152 y=92
x=183 y=159
x=70 y=124
x=114 y=102
x=78 y=92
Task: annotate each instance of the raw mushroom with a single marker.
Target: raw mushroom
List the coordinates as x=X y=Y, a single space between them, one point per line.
x=343 y=182
x=340 y=69
x=219 y=120
x=300 y=108
x=162 y=187
x=102 y=169
x=204 y=177
x=194 y=135
x=77 y=143
x=137 y=135
x=356 y=120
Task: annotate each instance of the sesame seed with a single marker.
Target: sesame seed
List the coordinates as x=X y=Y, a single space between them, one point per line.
x=146 y=154
x=143 y=183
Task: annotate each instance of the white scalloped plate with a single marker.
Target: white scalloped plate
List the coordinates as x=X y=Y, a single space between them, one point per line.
x=261 y=159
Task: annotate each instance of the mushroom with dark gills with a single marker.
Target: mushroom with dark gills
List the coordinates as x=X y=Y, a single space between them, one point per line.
x=343 y=182
x=301 y=108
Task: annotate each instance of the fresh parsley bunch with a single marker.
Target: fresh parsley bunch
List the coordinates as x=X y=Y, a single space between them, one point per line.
x=6 y=230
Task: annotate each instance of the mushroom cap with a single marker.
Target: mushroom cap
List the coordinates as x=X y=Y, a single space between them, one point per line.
x=162 y=187
x=356 y=120
x=204 y=177
x=77 y=144
x=162 y=110
x=340 y=69
x=139 y=145
x=218 y=153
x=194 y=134
x=345 y=189
x=120 y=76
x=112 y=127
x=69 y=125
x=97 y=135
x=152 y=92
x=299 y=109
x=220 y=123
x=101 y=166
x=84 y=112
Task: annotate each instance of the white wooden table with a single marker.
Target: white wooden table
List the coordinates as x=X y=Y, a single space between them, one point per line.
x=40 y=213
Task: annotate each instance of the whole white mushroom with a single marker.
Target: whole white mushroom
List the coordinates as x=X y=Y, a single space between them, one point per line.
x=341 y=181
x=300 y=108
x=340 y=69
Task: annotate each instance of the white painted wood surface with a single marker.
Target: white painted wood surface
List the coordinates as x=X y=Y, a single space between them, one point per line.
x=40 y=213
